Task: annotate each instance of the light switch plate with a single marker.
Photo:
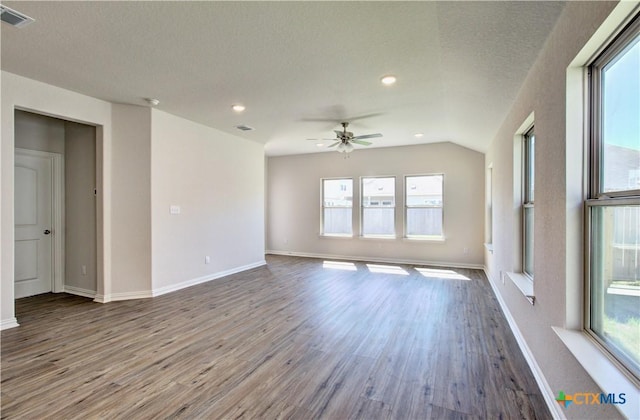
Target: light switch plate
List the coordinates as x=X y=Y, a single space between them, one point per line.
x=174 y=209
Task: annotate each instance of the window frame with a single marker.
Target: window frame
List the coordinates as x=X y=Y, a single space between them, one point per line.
x=323 y=207
x=595 y=196
x=528 y=195
x=407 y=207
x=393 y=235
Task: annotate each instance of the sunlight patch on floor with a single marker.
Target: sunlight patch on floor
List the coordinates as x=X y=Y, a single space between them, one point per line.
x=441 y=273
x=387 y=269
x=339 y=265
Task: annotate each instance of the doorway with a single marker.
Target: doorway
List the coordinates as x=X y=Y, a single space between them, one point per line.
x=55 y=206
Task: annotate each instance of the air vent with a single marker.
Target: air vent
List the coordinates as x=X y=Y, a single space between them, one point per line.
x=244 y=128
x=13 y=17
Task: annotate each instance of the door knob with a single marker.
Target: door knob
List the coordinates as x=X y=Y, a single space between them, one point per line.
x=47 y=231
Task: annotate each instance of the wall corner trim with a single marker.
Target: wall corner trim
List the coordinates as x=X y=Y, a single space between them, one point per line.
x=545 y=389
x=99 y=298
x=5 y=324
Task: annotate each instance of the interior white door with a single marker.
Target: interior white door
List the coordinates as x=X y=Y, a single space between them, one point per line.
x=33 y=225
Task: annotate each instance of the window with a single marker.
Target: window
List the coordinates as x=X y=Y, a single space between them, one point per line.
x=612 y=250
x=423 y=206
x=379 y=206
x=337 y=207
x=528 y=148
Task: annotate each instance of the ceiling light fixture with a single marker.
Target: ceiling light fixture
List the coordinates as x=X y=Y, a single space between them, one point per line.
x=238 y=108
x=344 y=148
x=388 y=80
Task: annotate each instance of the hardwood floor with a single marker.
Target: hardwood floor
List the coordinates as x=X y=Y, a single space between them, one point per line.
x=299 y=338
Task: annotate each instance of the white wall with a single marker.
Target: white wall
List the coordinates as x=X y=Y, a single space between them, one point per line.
x=21 y=93
x=294 y=203
x=543 y=93
x=217 y=180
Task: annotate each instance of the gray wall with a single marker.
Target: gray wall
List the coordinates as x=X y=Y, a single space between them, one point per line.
x=293 y=209
x=80 y=207
x=131 y=200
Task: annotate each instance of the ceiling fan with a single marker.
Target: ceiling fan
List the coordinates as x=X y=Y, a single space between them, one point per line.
x=346 y=138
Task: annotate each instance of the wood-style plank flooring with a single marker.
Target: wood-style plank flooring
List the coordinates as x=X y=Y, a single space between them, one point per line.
x=299 y=338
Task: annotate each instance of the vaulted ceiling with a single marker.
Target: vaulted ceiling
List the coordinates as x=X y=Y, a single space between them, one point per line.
x=300 y=68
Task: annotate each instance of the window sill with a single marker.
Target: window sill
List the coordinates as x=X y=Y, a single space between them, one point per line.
x=383 y=237
x=424 y=239
x=524 y=284
x=338 y=236
x=489 y=247
x=601 y=369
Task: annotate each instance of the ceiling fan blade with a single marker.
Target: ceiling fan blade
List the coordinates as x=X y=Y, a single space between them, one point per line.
x=364 y=143
x=334 y=144
x=338 y=132
x=362 y=117
x=367 y=136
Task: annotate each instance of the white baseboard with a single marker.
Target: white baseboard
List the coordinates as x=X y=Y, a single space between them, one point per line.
x=377 y=259
x=79 y=291
x=545 y=389
x=145 y=294
x=5 y=324
x=204 y=279
x=100 y=298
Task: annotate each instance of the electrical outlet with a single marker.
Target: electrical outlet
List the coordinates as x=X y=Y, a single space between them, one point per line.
x=207 y=259
x=465 y=250
x=84 y=270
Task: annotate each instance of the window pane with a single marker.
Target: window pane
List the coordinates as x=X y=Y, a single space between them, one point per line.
x=621 y=121
x=424 y=190
x=338 y=192
x=378 y=221
x=378 y=206
x=337 y=221
x=615 y=279
x=424 y=221
x=530 y=165
x=379 y=192
x=528 y=241
x=337 y=204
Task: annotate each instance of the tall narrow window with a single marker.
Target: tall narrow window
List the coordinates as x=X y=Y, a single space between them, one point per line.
x=528 y=148
x=337 y=207
x=423 y=206
x=379 y=206
x=613 y=205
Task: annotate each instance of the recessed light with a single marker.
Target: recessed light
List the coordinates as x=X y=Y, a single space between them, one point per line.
x=418 y=135
x=238 y=108
x=388 y=80
x=320 y=144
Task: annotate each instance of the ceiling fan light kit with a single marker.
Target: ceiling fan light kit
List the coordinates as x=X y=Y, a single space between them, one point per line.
x=345 y=139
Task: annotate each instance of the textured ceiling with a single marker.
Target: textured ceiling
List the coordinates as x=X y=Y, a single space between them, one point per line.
x=299 y=67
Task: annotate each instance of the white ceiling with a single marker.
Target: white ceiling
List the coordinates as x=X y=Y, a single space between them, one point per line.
x=459 y=64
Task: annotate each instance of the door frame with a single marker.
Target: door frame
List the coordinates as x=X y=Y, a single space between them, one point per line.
x=57 y=213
